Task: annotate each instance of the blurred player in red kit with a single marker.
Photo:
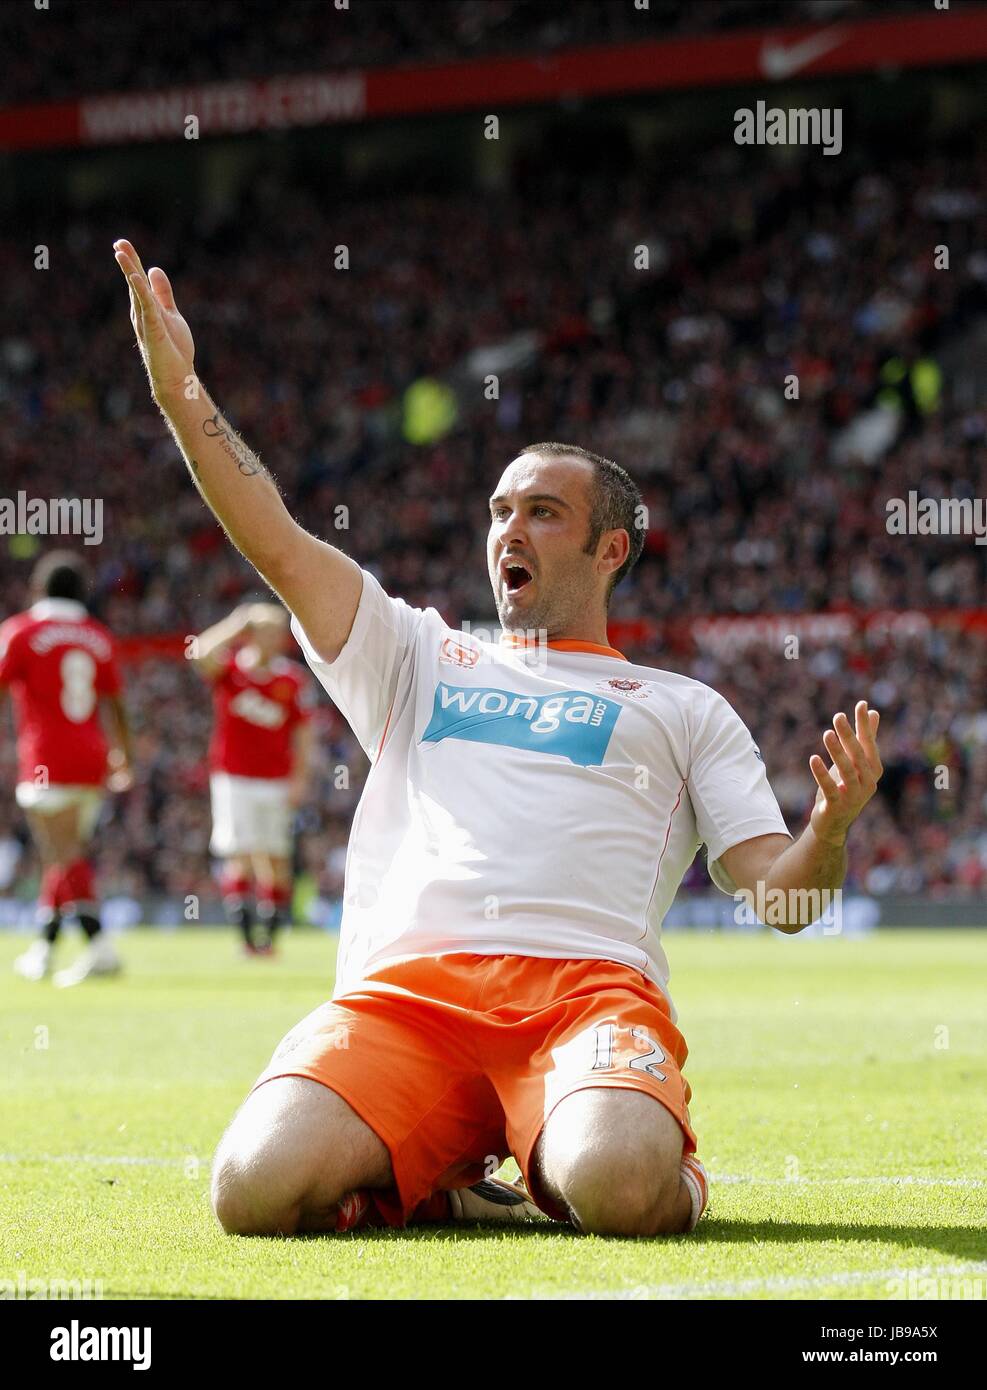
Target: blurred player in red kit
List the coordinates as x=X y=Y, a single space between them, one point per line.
x=258 y=763
x=61 y=668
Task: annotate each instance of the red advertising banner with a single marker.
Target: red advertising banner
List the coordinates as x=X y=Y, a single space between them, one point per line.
x=720 y=635
x=727 y=635
x=169 y=646
x=760 y=56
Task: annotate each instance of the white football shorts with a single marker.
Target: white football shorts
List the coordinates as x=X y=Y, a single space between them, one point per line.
x=50 y=800
x=250 y=815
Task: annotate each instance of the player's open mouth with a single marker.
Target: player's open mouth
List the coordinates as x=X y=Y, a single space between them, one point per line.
x=516 y=575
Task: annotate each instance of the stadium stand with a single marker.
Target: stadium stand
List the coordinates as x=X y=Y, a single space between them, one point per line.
x=48 y=56
x=758 y=504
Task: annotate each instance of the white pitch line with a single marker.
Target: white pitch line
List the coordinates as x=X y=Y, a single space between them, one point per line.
x=132 y=1159
x=733 y=1288
x=905 y=1180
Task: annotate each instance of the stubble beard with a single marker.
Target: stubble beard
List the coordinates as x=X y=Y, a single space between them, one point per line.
x=537 y=622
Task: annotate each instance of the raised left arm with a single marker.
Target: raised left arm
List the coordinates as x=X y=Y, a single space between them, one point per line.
x=816 y=861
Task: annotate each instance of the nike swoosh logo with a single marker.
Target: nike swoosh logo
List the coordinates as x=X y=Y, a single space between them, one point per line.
x=778 y=61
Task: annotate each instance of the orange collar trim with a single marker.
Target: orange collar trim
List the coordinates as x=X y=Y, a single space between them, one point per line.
x=564 y=644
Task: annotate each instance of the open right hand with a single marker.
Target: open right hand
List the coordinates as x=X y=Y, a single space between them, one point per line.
x=163 y=335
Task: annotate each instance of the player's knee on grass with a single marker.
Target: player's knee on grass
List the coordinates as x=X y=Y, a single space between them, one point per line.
x=293 y=1150
x=256 y=1189
x=611 y=1158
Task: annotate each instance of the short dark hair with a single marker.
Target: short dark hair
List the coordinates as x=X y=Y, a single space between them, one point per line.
x=614 y=504
x=61 y=574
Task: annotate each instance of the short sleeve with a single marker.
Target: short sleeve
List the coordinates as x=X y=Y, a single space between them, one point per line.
x=363 y=679
x=11 y=651
x=729 y=787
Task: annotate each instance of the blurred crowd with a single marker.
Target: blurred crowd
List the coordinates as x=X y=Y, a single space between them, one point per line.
x=678 y=362
x=49 y=53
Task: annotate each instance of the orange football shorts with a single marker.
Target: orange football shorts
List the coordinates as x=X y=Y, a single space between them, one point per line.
x=457 y=1061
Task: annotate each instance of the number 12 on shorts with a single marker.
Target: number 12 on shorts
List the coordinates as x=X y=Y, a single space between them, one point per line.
x=605 y=1036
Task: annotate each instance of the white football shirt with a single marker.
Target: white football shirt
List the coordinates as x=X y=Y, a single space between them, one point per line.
x=524 y=801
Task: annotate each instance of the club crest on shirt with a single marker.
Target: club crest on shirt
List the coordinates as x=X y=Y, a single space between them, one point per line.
x=456 y=653
x=626 y=685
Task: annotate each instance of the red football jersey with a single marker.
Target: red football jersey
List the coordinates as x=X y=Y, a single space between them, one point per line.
x=256 y=712
x=58 y=661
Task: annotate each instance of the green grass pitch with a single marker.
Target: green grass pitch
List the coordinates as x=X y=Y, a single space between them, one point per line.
x=840 y=1097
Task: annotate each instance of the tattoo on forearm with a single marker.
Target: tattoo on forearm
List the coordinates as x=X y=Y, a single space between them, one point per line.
x=248 y=463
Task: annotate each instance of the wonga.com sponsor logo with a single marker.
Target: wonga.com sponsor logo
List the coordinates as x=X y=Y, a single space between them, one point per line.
x=575 y=725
